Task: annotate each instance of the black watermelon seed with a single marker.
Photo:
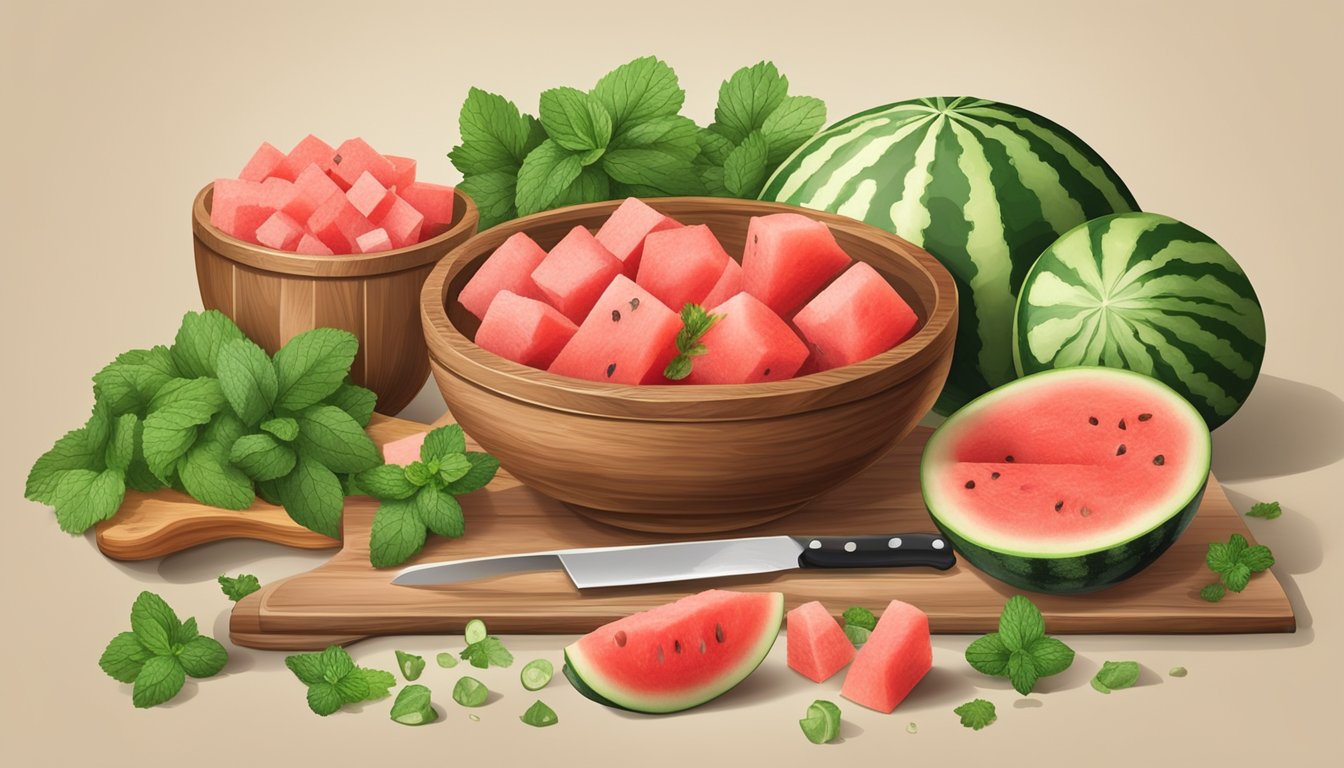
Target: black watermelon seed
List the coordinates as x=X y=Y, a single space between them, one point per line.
x=634 y=303
x=718 y=632
x=1092 y=420
x=1145 y=416
x=1122 y=423
x=615 y=315
x=1059 y=505
x=336 y=159
x=755 y=239
x=676 y=646
x=767 y=372
x=994 y=476
x=1008 y=459
x=1121 y=450
x=1159 y=460
x=610 y=370
x=970 y=483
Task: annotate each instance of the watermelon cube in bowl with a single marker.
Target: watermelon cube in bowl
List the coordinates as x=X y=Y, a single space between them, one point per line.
x=355 y=157
x=748 y=344
x=857 y=316
x=309 y=151
x=575 y=273
x=728 y=285
x=509 y=268
x=312 y=187
x=280 y=232
x=623 y=232
x=370 y=197
x=405 y=170
x=788 y=258
x=628 y=338
x=682 y=265
x=402 y=222
x=524 y=330
x=264 y=162
x=433 y=201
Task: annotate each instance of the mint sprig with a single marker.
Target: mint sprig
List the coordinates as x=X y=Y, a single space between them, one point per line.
x=1234 y=562
x=334 y=681
x=1020 y=650
x=237 y=587
x=160 y=652
x=489 y=652
x=1266 y=510
x=976 y=713
x=695 y=323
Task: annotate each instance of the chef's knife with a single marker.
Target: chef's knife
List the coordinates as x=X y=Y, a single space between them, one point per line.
x=679 y=561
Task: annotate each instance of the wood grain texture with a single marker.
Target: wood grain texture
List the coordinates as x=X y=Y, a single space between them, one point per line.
x=346 y=599
x=155 y=524
x=274 y=296
x=737 y=455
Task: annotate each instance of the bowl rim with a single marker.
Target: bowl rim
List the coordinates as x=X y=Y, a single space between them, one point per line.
x=452 y=352
x=337 y=265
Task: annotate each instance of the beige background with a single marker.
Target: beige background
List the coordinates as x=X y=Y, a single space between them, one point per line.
x=115 y=114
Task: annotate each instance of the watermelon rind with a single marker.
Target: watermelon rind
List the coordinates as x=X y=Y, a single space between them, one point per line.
x=1080 y=570
x=588 y=680
x=1148 y=293
x=982 y=185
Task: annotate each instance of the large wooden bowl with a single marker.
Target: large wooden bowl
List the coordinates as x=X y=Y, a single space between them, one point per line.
x=692 y=458
x=274 y=295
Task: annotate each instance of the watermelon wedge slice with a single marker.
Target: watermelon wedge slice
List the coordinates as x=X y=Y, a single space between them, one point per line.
x=896 y=657
x=817 y=646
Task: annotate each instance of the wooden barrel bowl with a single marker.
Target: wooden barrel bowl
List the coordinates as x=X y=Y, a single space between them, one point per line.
x=274 y=295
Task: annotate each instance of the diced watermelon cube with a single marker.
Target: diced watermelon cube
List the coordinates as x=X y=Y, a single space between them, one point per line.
x=402 y=223
x=280 y=231
x=309 y=151
x=312 y=187
x=749 y=343
x=373 y=241
x=369 y=197
x=524 y=330
x=404 y=452
x=817 y=646
x=264 y=162
x=680 y=266
x=788 y=258
x=405 y=169
x=434 y=201
x=857 y=316
x=624 y=231
x=354 y=157
x=897 y=655
x=238 y=207
x=337 y=224
x=575 y=272
x=728 y=286
x=509 y=268
x=312 y=246
x=628 y=338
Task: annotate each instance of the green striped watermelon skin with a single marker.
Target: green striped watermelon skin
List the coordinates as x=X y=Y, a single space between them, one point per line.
x=983 y=186
x=1148 y=293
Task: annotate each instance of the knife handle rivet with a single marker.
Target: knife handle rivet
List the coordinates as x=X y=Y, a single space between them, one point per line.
x=814 y=544
x=850 y=546
x=894 y=543
x=938 y=544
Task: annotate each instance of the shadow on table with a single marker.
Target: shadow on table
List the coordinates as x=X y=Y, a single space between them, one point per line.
x=1285 y=427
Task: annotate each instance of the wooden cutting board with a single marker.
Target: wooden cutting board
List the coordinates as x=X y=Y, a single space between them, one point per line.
x=346 y=599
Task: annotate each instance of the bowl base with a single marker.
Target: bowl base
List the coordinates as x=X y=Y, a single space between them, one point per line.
x=674 y=523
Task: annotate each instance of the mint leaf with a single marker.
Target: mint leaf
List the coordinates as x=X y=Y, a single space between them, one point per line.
x=203 y=657
x=486 y=653
x=1115 y=675
x=695 y=323
x=73 y=451
x=442 y=442
x=187 y=631
x=574 y=120
x=413 y=706
x=153 y=621
x=642 y=90
x=410 y=665
x=714 y=147
x=976 y=714
x=84 y=498
x=120 y=449
x=336 y=663
x=1050 y=656
x=591 y=186
x=195 y=351
x=495 y=136
x=237 y=587
x=324 y=699
x=306 y=666
x=356 y=401
x=1234 y=561
x=494 y=194
x=128 y=383
x=988 y=655
x=794 y=121
x=659 y=172
x=167 y=435
x=747 y=98
x=1237 y=577
x=1267 y=510
x=313 y=365
x=857 y=635
x=439 y=512
x=206 y=472
x=377 y=682
x=352 y=687
x=745 y=170
x=1020 y=624
x=313 y=497
x=1020 y=650
x=483 y=469
x=282 y=428
x=329 y=435
x=861 y=617
x=247 y=379
x=1213 y=592
x=546 y=172
x=673 y=135
x=261 y=458
x=124 y=657
x=196 y=396
x=453 y=467
x=1022 y=671
x=1257 y=558
x=397 y=533
x=387 y=482
x=418 y=474
x=161 y=678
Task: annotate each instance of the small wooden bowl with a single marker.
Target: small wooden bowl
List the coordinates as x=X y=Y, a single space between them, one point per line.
x=275 y=295
x=694 y=458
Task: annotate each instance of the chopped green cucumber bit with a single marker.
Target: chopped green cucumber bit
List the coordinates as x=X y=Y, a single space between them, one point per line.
x=470 y=692
x=822 y=723
x=1178 y=672
x=539 y=715
x=413 y=706
x=446 y=660
x=912 y=728
x=475 y=631
x=536 y=674
x=410 y=665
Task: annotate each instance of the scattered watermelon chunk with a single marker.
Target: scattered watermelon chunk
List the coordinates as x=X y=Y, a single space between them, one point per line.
x=575 y=272
x=280 y=231
x=402 y=223
x=524 y=330
x=404 y=168
x=309 y=151
x=238 y=207
x=509 y=268
x=312 y=187
x=337 y=224
x=405 y=451
x=355 y=157
x=728 y=285
x=748 y=344
x=264 y=162
x=788 y=258
x=373 y=241
x=817 y=646
x=897 y=655
x=369 y=197
x=857 y=316
x=434 y=201
x=624 y=231
x=312 y=246
x=681 y=265
x=628 y=338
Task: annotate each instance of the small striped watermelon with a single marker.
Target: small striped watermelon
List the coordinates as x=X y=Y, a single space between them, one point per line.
x=1147 y=293
x=983 y=186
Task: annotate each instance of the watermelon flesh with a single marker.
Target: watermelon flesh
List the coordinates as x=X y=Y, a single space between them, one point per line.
x=508 y=268
x=309 y=151
x=628 y=338
x=280 y=232
x=817 y=646
x=370 y=197
x=857 y=316
x=405 y=451
x=373 y=241
x=682 y=265
x=896 y=657
x=338 y=224
x=748 y=344
x=264 y=162
x=402 y=222
x=524 y=330
x=728 y=285
x=312 y=187
x=788 y=258
x=404 y=168
x=355 y=157
x=678 y=655
x=624 y=231
x=1067 y=481
x=434 y=202
x=575 y=273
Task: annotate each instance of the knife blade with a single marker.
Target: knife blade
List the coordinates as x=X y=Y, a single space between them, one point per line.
x=595 y=567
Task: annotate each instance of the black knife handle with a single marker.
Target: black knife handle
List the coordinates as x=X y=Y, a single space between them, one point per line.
x=906 y=549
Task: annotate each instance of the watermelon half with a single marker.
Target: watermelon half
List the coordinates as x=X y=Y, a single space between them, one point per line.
x=678 y=655
x=1067 y=481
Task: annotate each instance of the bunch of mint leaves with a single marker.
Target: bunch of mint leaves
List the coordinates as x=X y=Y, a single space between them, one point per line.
x=422 y=497
x=333 y=680
x=1020 y=650
x=1234 y=561
x=625 y=137
x=215 y=417
x=160 y=652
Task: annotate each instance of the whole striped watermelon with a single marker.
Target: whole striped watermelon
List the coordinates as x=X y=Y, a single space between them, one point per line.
x=981 y=185
x=1147 y=293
